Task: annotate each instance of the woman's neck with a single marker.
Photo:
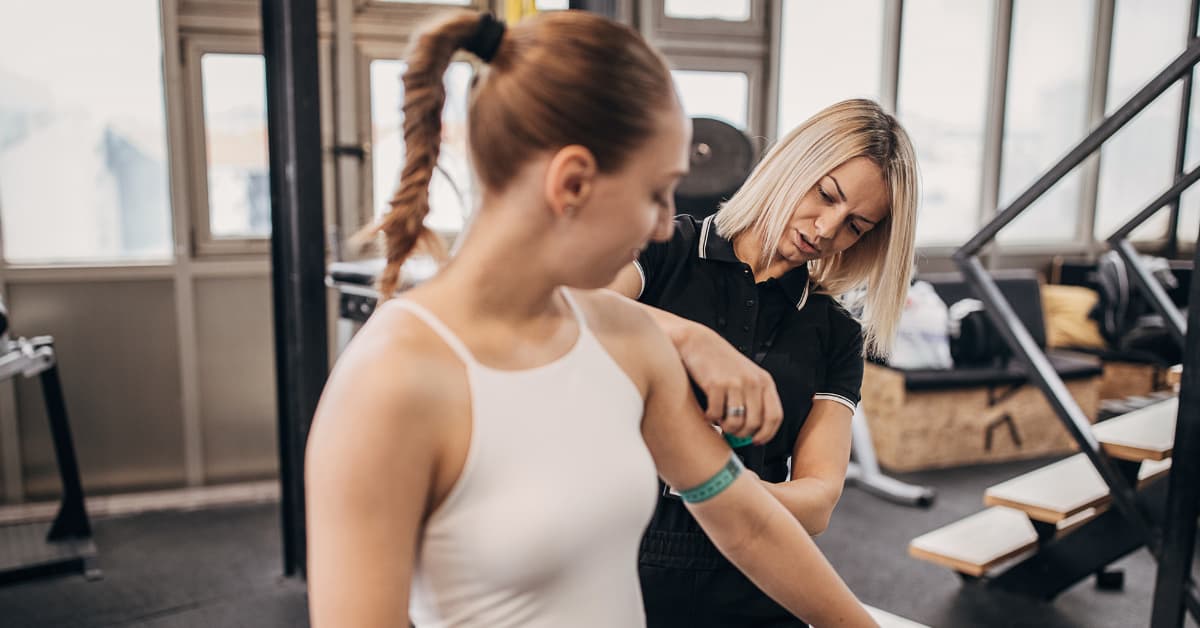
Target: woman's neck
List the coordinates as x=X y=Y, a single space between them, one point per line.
x=494 y=274
x=747 y=246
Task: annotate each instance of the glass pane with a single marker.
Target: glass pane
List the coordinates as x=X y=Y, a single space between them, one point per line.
x=809 y=78
x=729 y=10
x=1138 y=163
x=1193 y=141
x=721 y=95
x=83 y=149
x=235 y=135
x=457 y=2
x=552 y=5
x=452 y=192
x=1189 y=215
x=1046 y=113
x=944 y=61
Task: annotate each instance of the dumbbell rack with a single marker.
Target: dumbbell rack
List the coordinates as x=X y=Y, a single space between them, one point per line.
x=30 y=550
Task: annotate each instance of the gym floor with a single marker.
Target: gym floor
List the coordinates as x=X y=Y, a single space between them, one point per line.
x=221 y=567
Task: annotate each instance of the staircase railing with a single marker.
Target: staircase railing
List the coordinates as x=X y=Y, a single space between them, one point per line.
x=1043 y=374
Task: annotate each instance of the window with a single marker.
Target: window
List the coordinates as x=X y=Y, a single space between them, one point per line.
x=1189 y=215
x=1138 y=163
x=552 y=5
x=1046 y=113
x=452 y=2
x=714 y=94
x=235 y=139
x=944 y=63
x=452 y=192
x=83 y=150
x=728 y=10
x=809 y=78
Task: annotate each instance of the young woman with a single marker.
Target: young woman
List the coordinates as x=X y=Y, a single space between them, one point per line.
x=749 y=297
x=485 y=450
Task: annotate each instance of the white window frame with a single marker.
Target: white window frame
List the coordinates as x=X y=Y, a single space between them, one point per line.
x=666 y=26
x=755 y=82
x=202 y=240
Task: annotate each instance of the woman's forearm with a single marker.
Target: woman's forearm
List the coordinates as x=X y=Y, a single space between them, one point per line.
x=811 y=501
x=768 y=544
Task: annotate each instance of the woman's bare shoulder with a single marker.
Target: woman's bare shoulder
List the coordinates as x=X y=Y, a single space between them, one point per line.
x=395 y=374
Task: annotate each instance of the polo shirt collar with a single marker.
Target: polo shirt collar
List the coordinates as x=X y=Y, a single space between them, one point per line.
x=795 y=282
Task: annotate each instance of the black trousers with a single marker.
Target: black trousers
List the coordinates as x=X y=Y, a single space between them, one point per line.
x=686 y=583
x=720 y=598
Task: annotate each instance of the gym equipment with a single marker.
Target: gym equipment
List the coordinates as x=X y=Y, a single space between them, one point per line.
x=64 y=545
x=722 y=156
x=864 y=470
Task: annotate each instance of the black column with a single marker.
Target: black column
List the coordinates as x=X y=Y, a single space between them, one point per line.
x=1173 y=587
x=297 y=246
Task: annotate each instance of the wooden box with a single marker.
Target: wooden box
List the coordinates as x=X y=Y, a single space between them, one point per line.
x=932 y=429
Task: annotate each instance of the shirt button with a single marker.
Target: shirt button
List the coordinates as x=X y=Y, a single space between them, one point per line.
x=743 y=348
x=745 y=328
x=749 y=302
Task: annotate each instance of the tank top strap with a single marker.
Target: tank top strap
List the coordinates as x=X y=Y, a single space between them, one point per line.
x=440 y=329
x=575 y=309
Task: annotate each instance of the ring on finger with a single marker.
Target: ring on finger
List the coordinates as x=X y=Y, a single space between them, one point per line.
x=735 y=411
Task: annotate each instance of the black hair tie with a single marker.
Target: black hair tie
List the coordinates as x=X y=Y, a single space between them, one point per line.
x=486 y=40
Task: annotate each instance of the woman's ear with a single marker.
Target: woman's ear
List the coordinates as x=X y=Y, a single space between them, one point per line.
x=570 y=179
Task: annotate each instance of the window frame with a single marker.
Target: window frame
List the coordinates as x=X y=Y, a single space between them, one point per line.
x=665 y=26
x=203 y=243
x=755 y=82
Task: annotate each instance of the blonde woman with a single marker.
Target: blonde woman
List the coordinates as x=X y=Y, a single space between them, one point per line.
x=749 y=297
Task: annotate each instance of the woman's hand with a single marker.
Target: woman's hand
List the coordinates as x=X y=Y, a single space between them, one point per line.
x=741 y=396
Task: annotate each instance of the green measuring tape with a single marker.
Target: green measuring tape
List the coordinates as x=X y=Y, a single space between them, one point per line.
x=737 y=441
x=716 y=483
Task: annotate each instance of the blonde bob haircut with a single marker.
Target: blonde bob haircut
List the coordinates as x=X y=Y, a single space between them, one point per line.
x=882 y=260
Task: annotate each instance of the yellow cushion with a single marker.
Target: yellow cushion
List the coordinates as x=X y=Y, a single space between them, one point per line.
x=1067 y=322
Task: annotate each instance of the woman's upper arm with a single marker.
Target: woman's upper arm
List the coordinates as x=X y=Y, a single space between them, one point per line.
x=686 y=448
x=368 y=472
x=629 y=281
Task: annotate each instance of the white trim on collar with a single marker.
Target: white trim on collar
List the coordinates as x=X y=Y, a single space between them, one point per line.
x=705 y=227
x=642 y=274
x=804 y=297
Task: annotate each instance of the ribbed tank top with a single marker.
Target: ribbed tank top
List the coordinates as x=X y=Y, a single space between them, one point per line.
x=541 y=530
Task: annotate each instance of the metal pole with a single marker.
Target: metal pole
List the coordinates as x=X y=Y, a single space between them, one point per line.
x=1185 y=109
x=1172 y=590
x=889 y=75
x=1097 y=102
x=297 y=247
x=993 y=139
x=1139 y=101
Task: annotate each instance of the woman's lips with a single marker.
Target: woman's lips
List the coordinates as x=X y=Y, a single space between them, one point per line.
x=803 y=244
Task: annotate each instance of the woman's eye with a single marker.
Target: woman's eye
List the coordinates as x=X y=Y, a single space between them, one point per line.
x=825 y=195
x=854 y=228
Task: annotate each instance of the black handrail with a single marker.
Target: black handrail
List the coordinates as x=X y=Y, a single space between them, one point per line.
x=1010 y=327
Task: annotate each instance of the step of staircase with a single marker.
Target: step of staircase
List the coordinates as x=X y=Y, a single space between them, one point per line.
x=978 y=543
x=1062 y=490
x=1146 y=434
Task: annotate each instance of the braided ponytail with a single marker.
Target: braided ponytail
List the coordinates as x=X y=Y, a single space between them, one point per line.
x=403 y=227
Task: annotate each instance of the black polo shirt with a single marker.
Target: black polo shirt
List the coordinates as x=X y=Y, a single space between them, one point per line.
x=808 y=343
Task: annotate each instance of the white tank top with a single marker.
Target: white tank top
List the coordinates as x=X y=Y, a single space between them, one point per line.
x=541 y=530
